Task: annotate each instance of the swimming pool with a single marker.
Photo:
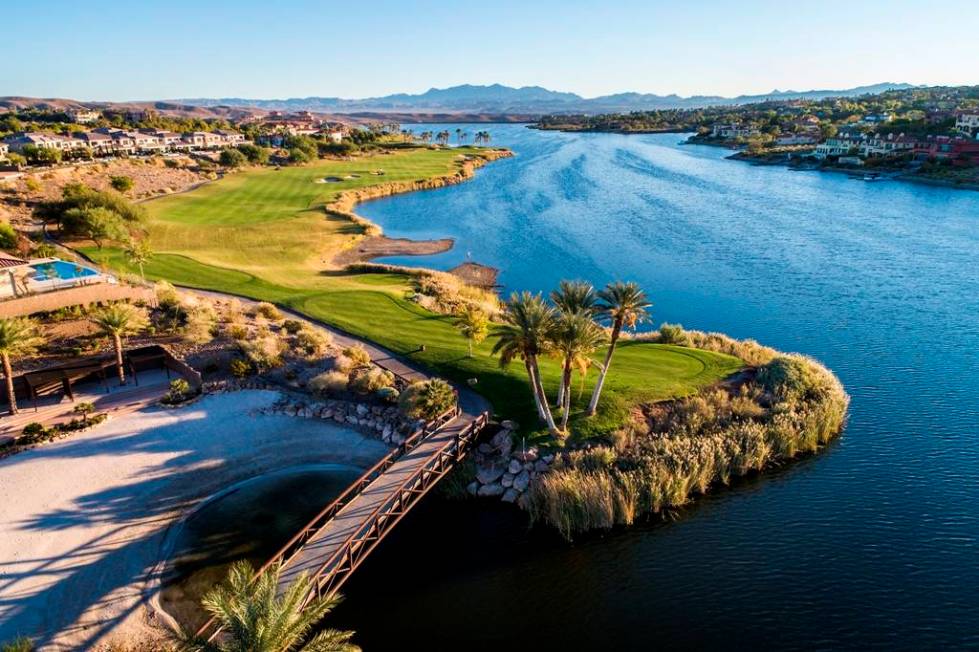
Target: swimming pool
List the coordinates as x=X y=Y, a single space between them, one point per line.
x=60 y=269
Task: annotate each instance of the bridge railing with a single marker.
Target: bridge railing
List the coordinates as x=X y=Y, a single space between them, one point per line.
x=295 y=544
x=334 y=572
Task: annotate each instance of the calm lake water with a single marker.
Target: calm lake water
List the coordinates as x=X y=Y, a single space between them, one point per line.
x=871 y=544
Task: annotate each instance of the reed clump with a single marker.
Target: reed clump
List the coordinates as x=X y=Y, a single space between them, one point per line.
x=791 y=405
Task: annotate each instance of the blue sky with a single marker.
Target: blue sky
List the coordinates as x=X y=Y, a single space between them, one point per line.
x=150 y=49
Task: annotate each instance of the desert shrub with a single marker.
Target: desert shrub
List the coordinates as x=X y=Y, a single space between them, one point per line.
x=34 y=432
x=268 y=310
x=32 y=184
x=200 y=322
x=233 y=313
x=292 y=326
x=179 y=391
x=387 y=394
x=343 y=363
x=166 y=294
x=84 y=409
x=795 y=377
x=673 y=334
x=358 y=356
x=328 y=382
x=427 y=399
x=312 y=342
x=19 y=644
x=264 y=352
x=240 y=368
x=237 y=332
x=121 y=183
x=370 y=380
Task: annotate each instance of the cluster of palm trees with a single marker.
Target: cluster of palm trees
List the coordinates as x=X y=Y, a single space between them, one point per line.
x=20 y=336
x=570 y=328
x=442 y=137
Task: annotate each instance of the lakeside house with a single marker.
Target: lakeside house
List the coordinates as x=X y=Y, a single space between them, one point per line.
x=959 y=151
x=845 y=142
x=733 y=131
x=789 y=139
x=875 y=145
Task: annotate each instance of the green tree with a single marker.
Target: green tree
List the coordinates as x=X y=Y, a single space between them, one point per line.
x=254 y=153
x=624 y=305
x=138 y=252
x=473 y=323
x=18 y=336
x=95 y=223
x=117 y=321
x=254 y=619
x=297 y=155
x=8 y=237
x=121 y=183
x=232 y=158
x=84 y=409
x=528 y=326
x=576 y=336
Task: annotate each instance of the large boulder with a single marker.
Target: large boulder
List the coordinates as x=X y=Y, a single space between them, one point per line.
x=515 y=467
x=495 y=489
x=521 y=481
x=489 y=474
x=510 y=495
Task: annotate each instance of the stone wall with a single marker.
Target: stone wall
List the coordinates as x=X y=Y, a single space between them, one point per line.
x=78 y=296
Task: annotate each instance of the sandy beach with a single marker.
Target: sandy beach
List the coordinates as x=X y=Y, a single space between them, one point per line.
x=84 y=519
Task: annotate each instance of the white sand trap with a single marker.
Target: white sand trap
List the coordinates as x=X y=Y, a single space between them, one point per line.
x=83 y=519
x=329 y=180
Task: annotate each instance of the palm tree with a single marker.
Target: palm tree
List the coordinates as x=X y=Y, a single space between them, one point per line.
x=254 y=619
x=573 y=297
x=458 y=135
x=18 y=336
x=624 y=305
x=528 y=325
x=119 y=320
x=575 y=338
x=473 y=324
x=138 y=253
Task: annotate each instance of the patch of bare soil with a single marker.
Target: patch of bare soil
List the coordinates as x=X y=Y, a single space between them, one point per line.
x=381 y=246
x=151 y=177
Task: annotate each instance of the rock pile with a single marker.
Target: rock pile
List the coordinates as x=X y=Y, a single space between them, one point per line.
x=504 y=472
x=385 y=422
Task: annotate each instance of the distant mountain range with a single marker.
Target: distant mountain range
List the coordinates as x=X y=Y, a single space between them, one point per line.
x=527 y=100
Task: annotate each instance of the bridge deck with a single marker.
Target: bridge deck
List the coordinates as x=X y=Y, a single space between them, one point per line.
x=353 y=518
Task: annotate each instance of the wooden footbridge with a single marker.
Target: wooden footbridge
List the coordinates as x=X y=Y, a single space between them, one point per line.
x=331 y=546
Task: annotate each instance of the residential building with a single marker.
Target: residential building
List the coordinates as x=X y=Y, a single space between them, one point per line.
x=876 y=118
x=786 y=139
x=230 y=137
x=98 y=142
x=844 y=142
x=889 y=145
x=958 y=150
x=334 y=135
x=83 y=116
x=18 y=142
x=733 y=131
x=967 y=123
x=4 y=148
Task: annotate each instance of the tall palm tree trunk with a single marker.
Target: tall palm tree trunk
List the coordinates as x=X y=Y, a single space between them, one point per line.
x=533 y=388
x=596 y=394
x=8 y=376
x=119 y=361
x=562 y=387
x=542 y=399
x=566 y=398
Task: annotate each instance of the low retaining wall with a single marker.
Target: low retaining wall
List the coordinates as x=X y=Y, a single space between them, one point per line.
x=78 y=296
